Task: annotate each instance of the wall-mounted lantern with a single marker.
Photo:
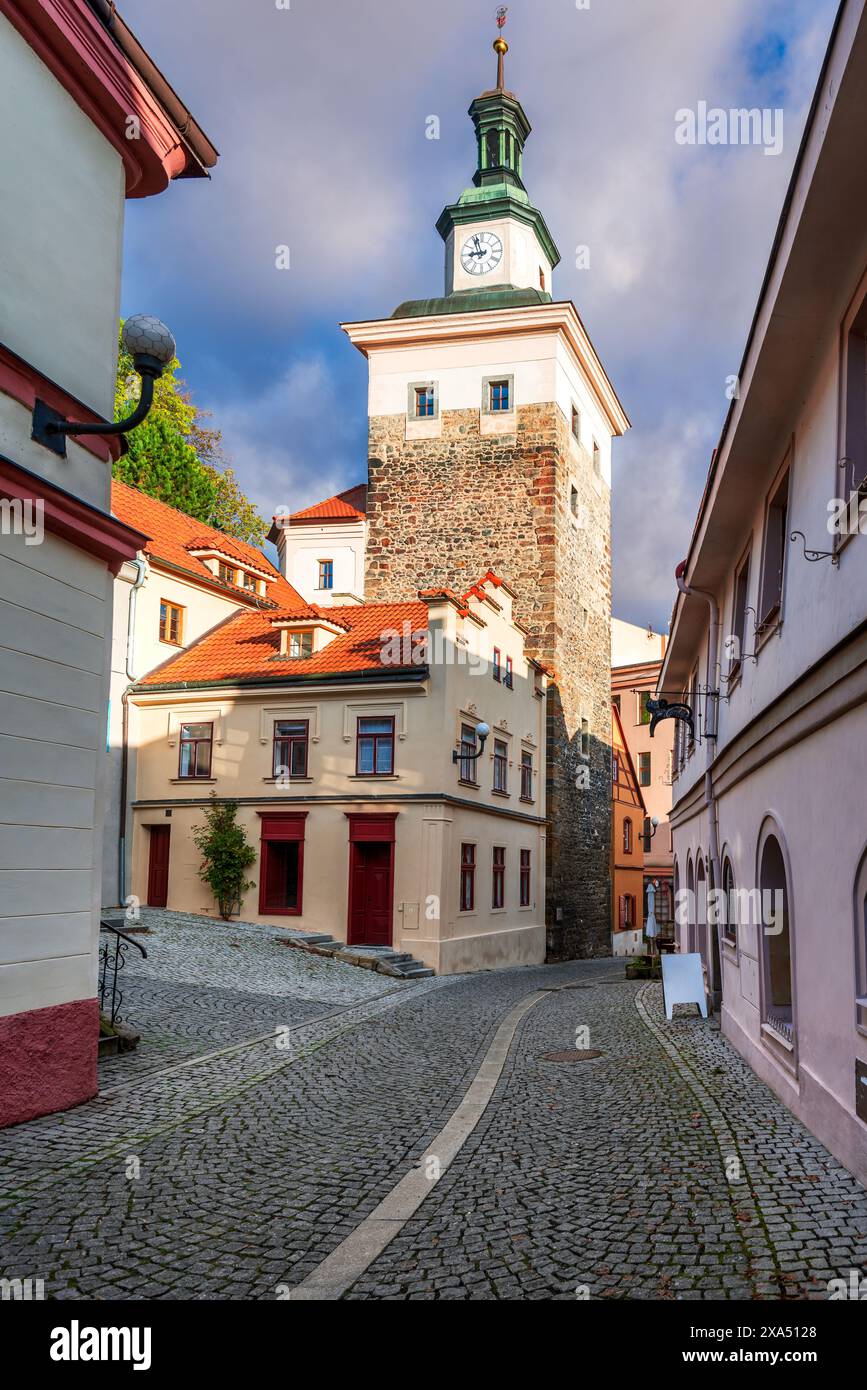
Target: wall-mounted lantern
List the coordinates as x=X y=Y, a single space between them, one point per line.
x=651 y=825
x=483 y=731
x=152 y=348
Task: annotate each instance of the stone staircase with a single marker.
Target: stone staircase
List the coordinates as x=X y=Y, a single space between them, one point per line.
x=384 y=959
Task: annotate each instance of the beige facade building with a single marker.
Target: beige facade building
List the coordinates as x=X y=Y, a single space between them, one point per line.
x=334 y=729
x=769 y=647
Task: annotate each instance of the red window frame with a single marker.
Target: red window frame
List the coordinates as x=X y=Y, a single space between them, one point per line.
x=379 y=739
x=501 y=766
x=282 y=766
x=281 y=830
x=497 y=664
x=185 y=742
x=498 y=878
x=526 y=775
x=468 y=878
x=508 y=679
x=524 y=877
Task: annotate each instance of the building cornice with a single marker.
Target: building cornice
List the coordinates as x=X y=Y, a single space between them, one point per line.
x=85 y=527
x=91 y=63
x=561 y=317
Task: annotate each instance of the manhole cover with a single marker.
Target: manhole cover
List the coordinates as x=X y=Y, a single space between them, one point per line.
x=585 y=1054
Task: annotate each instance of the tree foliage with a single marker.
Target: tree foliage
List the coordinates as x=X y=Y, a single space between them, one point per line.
x=226 y=855
x=177 y=456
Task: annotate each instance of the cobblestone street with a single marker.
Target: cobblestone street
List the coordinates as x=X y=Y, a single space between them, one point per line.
x=660 y=1169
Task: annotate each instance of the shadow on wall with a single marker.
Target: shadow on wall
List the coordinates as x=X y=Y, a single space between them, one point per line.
x=578 y=879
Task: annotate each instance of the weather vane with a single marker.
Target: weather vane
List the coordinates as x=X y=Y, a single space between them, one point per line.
x=501 y=48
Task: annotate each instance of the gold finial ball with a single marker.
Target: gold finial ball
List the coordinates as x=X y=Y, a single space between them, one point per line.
x=500 y=46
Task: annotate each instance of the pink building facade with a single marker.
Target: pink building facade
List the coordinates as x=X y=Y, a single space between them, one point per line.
x=769 y=647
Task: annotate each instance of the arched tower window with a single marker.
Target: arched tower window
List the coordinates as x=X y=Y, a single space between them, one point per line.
x=492 y=146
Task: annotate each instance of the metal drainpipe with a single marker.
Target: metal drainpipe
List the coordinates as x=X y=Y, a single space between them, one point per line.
x=710 y=798
x=143 y=570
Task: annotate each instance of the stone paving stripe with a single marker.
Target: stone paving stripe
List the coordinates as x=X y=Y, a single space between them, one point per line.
x=354 y=1255
x=139 y=1083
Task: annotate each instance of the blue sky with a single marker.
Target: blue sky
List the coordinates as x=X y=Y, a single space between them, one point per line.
x=319 y=113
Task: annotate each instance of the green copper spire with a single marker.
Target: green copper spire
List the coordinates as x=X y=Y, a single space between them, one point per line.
x=498 y=190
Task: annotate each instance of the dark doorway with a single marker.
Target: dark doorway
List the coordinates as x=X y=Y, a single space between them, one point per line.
x=370 y=893
x=158 y=866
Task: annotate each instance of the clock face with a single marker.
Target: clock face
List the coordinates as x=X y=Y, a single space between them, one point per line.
x=481 y=253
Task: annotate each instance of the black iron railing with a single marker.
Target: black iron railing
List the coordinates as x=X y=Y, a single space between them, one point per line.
x=112 y=958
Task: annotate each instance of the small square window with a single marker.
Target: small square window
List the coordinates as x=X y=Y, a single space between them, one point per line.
x=300 y=645
x=498 y=395
x=423 y=400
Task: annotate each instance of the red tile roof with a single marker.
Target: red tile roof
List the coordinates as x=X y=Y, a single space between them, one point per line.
x=247 y=647
x=346 y=506
x=173 y=534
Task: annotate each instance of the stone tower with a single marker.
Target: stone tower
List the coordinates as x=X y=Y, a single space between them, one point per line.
x=491 y=421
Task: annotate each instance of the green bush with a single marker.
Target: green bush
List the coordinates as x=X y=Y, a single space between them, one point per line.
x=226 y=855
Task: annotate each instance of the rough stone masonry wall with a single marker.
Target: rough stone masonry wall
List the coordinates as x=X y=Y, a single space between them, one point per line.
x=441 y=511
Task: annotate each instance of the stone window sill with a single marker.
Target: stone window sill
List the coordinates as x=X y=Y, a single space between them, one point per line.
x=193 y=781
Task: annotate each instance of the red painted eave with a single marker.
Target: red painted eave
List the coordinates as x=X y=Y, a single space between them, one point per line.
x=108 y=74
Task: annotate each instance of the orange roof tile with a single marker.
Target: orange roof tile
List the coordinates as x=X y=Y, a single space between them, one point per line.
x=346 y=506
x=173 y=534
x=246 y=647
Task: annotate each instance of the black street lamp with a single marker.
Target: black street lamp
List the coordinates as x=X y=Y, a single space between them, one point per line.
x=152 y=347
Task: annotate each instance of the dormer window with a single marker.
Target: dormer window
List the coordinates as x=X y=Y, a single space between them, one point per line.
x=226 y=573
x=249 y=581
x=300 y=645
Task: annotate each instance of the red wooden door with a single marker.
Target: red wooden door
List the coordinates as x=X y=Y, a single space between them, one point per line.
x=158 y=866
x=370 y=894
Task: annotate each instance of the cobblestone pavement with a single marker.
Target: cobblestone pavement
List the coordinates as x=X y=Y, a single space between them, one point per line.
x=234 y=1177
x=246 y=981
